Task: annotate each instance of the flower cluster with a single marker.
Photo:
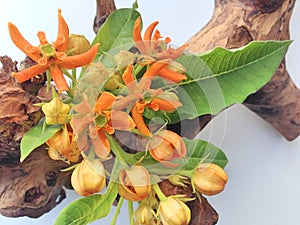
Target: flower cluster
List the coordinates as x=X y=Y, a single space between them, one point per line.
x=116 y=100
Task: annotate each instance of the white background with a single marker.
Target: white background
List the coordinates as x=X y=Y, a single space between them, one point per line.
x=263 y=169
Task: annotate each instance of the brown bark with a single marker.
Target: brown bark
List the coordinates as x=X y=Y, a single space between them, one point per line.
x=104 y=9
x=35 y=186
x=237 y=22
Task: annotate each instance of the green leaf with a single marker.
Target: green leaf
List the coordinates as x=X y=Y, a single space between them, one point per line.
x=202 y=151
x=35 y=137
x=116 y=32
x=220 y=78
x=86 y=210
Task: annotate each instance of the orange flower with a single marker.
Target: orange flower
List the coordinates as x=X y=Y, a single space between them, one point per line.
x=166 y=146
x=141 y=96
x=50 y=56
x=100 y=120
x=135 y=184
x=152 y=45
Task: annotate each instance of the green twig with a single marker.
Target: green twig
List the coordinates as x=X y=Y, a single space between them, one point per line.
x=130 y=212
x=117 y=212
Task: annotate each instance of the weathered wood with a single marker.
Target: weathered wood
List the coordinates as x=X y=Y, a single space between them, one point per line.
x=104 y=9
x=35 y=186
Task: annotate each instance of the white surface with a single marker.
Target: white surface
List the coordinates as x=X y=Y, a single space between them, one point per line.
x=263 y=169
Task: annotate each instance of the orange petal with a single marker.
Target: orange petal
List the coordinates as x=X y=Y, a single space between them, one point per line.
x=43 y=61
x=42 y=37
x=22 y=43
x=58 y=78
x=176 y=141
x=121 y=121
x=139 y=121
x=61 y=42
x=156 y=67
x=83 y=107
x=123 y=102
x=81 y=59
x=129 y=79
x=171 y=75
x=137 y=36
x=149 y=32
x=156 y=35
x=166 y=105
x=28 y=73
x=101 y=145
x=174 y=53
x=104 y=102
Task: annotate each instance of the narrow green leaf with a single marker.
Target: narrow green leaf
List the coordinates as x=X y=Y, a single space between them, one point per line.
x=86 y=210
x=220 y=78
x=116 y=32
x=35 y=137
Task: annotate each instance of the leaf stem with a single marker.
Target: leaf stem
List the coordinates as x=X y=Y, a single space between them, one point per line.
x=117 y=212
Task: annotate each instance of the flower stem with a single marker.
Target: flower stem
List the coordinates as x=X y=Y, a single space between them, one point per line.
x=117 y=212
x=187 y=173
x=162 y=197
x=130 y=212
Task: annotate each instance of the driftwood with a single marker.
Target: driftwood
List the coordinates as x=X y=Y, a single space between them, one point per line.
x=35 y=186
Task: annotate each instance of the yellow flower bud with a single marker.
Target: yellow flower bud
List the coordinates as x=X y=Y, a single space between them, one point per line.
x=55 y=111
x=95 y=75
x=209 y=179
x=77 y=44
x=166 y=146
x=62 y=146
x=123 y=59
x=144 y=215
x=113 y=82
x=135 y=184
x=174 y=212
x=88 y=177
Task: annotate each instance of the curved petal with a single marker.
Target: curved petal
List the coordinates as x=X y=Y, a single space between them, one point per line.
x=42 y=37
x=129 y=79
x=122 y=102
x=104 y=102
x=30 y=72
x=156 y=67
x=137 y=36
x=58 y=78
x=165 y=105
x=139 y=121
x=149 y=32
x=121 y=121
x=171 y=75
x=81 y=59
x=22 y=43
x=101 y=145
x=61 y=42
